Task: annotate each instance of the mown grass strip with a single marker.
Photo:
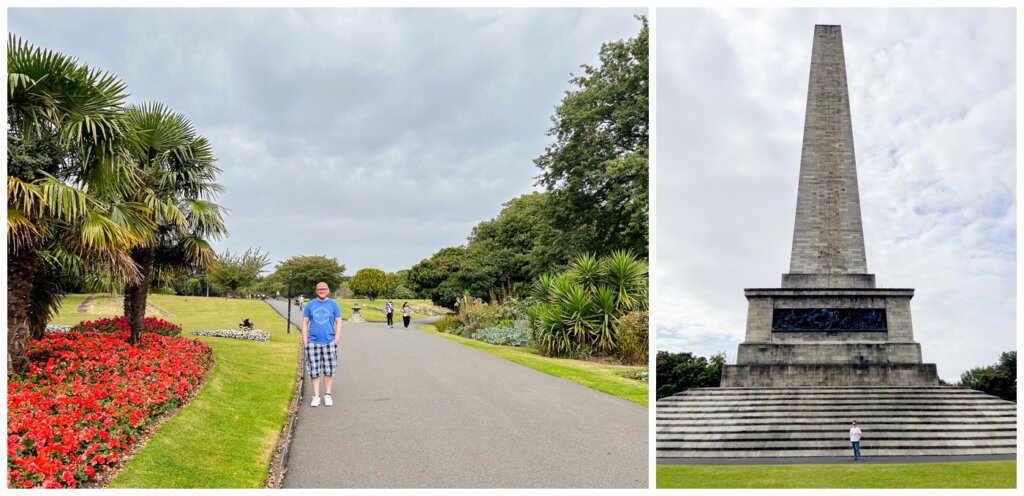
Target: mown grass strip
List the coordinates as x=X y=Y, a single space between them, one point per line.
x=373 y=311
x=602 y=377
x=225 y=437
x=954 y=475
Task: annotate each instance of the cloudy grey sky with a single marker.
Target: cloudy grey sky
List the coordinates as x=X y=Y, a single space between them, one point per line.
x=373 y=136
x=933 y=98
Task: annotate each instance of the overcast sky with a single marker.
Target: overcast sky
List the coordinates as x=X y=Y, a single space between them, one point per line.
x=932 y=96
x=373 y=136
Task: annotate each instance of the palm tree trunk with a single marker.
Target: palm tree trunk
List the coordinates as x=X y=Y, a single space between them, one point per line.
x=135 y=293
x=21 y=269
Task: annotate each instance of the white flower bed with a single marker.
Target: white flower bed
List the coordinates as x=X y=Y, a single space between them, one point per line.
x=253 y=335
x=57 y=328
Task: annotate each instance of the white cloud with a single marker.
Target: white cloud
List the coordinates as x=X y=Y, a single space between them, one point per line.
x=403 y=128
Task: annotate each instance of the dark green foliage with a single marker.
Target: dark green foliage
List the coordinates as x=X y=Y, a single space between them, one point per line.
x=634 y=344
x=33 y=155
x=448 y=274
x=370 y=283
x=398 y=286
x=512 y=245
x=447 y=323
x=306 y=272
x=578 y=310
x=232 y=273
x=998 y=380
x=597 y=169
x=678 y=372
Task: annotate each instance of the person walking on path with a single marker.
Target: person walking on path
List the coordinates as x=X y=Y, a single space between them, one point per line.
x=321 y=330
x=389 y=310
x=303 y=298
x=855 y=435
x=406 y=314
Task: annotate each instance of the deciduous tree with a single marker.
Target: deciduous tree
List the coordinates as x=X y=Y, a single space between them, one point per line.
x=999 y=379
x=369 y=282
x=597 y=169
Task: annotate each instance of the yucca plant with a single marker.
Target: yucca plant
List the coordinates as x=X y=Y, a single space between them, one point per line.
x=627 y=277
x=588 y=300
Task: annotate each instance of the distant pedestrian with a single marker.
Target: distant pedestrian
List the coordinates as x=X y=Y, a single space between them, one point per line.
x=321 y=330
x=389 y=310
x=406 y=314
x=855 y=435
x=303 y=298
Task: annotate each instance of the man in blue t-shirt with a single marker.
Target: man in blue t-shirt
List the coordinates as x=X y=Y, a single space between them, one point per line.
x=321 y=330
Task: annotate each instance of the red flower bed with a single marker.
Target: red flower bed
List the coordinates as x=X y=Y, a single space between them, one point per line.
x=86 y=398
x=120 y=324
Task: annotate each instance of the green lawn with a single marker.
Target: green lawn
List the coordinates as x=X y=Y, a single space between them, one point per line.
x=869 y=475
x=225 y=437
x=373 y=311
x=602 y=377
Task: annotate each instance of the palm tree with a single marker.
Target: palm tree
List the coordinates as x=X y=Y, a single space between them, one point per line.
x=178 y=171
x=65 y=190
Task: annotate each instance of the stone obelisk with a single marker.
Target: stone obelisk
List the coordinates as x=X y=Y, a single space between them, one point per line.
x=828 y=239
x=828 y=325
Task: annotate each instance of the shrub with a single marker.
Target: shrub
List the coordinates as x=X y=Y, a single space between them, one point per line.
x=86 y=399
x=577 y=311
x=447 y=324
x=504 y=336
x=678 y=372
x=120 y=324
x=632 y=330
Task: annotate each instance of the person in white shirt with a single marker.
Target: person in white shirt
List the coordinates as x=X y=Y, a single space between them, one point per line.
x=855 y=435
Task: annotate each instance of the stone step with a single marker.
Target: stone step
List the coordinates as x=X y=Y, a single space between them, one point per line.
x=857 y=390
x=833 y=435
x=781 y=422
x=939 y=407
x=935 y=421
x=837 y=444
x=859 y=415
x=785 y=429
x=844 y=452
x=826 y=398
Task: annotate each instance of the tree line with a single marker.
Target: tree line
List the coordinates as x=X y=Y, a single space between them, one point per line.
x=595 y=198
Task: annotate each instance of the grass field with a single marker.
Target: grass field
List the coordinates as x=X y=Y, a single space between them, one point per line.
x=602 y=377
x=851 y=476
x=373 y=311
x=225 y=437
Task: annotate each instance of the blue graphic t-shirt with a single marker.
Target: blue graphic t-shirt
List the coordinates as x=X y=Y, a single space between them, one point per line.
x=321 y=315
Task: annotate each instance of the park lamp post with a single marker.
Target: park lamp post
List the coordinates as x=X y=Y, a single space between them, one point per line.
x=288 y=330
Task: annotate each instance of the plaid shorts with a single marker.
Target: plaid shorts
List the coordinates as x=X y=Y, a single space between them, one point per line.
x=321 y=359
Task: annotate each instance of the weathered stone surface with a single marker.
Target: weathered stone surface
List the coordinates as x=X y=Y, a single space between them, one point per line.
x=813 y=374
x=815 y=422
x=828 y=238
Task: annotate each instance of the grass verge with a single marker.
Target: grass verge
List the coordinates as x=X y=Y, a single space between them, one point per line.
x=225 y=437
x=953 y=475
x=602 y=377
x=373 y=311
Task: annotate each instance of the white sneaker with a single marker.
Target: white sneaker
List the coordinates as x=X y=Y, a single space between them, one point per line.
x=316 y=401
x=328 y=401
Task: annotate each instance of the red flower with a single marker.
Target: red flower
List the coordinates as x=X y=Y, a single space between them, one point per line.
x=87 y=394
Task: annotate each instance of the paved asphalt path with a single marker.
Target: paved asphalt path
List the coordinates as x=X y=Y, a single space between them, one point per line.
x=824 y=460
x=412 y=410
